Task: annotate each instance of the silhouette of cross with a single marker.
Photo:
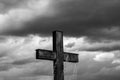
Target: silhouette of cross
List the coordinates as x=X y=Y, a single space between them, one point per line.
x=58 y=56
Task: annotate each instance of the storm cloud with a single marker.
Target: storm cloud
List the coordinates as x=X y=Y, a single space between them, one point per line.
x=91 y=29
x=76 y=18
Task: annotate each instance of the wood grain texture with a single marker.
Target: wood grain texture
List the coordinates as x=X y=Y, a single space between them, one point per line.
x=58 y=49
x=50 y=55
x=58 y=56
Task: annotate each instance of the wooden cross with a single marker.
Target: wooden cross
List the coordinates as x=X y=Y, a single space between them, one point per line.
x=58 y=56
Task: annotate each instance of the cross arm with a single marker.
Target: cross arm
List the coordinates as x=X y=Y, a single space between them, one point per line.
x=50 y=55
x=70 y=57
x=44 y=54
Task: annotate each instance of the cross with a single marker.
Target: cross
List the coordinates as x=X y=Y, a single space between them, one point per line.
x=58 y=56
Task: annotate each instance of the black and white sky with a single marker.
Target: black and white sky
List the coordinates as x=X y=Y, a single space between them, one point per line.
x=91 y=29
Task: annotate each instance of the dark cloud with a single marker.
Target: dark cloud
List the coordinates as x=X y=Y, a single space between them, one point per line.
x=109 y=77
x=104 y=49
x=6 y=5
x=92 y=18
x=5 y=67
x=76 y=18
x=2 y=39
x=23 y=61
x=108 y=74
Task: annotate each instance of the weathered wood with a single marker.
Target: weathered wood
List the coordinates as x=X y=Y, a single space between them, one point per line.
x=58 y=49
x=57 y=55
x=70 y=57
x=50 y=55
x=45 y=54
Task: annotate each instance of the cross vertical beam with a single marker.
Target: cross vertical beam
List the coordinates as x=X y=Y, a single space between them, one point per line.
x=58 y=50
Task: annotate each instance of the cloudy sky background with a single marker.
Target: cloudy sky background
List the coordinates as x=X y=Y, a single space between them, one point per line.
x=91 y=29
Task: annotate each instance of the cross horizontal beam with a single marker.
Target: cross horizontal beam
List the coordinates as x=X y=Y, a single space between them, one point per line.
x=50 y=55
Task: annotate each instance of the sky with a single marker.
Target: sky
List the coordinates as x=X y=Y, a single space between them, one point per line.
x=91 y=29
